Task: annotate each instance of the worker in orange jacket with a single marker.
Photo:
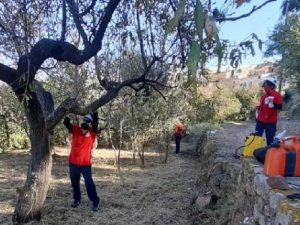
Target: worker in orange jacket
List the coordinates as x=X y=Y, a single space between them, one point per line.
x=83 y=138
x=178 y=133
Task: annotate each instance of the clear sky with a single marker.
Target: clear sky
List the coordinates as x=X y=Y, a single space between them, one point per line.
x=260 y=22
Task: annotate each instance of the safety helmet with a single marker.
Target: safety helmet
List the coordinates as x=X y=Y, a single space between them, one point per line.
x=270 y=80
x=88 y=118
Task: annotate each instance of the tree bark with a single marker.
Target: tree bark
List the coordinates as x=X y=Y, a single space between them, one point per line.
x=142 y=154
x=167 y=141
x=33 y=194
x=7 y=134
x=39 y=104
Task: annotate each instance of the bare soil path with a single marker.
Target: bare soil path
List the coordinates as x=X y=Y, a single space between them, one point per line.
x=231 y=135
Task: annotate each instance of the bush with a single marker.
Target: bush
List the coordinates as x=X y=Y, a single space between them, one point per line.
x=19 y=141
x=218 y=107
x=61 y=135
x=248 y=100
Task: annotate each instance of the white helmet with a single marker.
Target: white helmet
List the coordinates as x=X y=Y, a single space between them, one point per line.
x=271 y=80
x=88 y=118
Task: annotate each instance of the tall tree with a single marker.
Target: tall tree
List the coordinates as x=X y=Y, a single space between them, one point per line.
x=281 y=38
x=284 y=40
x=38 y=103
x=289 y=6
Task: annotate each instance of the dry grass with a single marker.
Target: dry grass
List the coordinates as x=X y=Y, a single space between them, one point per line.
x=158 y=194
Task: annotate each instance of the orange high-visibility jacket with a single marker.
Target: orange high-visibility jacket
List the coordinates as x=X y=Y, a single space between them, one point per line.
x=179 y=129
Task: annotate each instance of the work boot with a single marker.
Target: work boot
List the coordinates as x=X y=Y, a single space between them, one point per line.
x=96 y=207
x=75 y=204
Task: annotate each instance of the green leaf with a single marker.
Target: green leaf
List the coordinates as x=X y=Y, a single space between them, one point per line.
x=138 y=4
x=203 y=58
x=172 y=24
x=199 y=19
x=219 y=52
x=211 y=27
x=254 y=36
x=252 y=49
x=240 y=56
x=235 y=58
x=33 y=87
x=260 y=43
x=193 y=58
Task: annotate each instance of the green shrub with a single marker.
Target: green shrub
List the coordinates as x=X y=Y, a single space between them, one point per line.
x=220 y=106
x=248 y=100
x=19 y=141
x=60 y=135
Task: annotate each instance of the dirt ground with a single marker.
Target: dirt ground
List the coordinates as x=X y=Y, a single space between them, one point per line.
x=231 y=135
x=158 y=194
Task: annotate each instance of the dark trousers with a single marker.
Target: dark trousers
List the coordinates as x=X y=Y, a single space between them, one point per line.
x=86 y=171
x=269 y=128
x=177 y=142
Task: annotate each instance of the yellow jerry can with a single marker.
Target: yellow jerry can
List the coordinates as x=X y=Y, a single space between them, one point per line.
x=252 y=143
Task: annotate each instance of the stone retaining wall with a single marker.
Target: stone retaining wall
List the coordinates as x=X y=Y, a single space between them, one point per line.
x=246 y=197
x=271 y=207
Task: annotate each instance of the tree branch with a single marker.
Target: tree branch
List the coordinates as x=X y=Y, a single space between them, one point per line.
x=77 y=20
x=61 y=51
x=209 y=5
x=112 y=93
x=64 y=21
x=13 y=36
x=159 y=92
x=42 y=50
x=70 y=105
x=112 y=84
x=97 y=42
x=86 y=11
x=63 y=109
x=255 y=8
x=183 y=58
x=159 y=83
x=45 y=98
x=140 y=37
x=152 y=39
x=7 y=74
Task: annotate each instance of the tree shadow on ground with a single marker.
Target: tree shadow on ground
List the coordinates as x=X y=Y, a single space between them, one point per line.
x=13 y=174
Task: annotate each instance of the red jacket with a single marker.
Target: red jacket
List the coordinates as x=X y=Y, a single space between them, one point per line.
x=267 y=114
x=179 y=129
x=81 y=146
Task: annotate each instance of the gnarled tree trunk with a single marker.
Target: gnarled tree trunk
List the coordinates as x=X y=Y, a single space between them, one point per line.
x=33 y=194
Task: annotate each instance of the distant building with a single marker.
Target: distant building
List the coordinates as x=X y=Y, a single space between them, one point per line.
x=245 y=78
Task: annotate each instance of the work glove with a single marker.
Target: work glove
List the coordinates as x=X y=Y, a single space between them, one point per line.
x=271 y=105
x=67 y=119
